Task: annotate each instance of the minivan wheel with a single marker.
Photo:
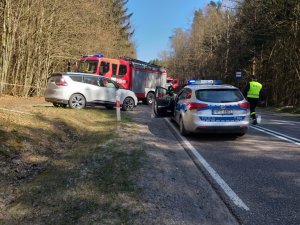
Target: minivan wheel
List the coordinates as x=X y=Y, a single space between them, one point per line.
x=150 y=98
x=128 y=104
x=77 y=101
x=182 y=128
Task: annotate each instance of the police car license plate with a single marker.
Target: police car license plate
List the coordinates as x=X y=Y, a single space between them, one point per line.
x=222 y=112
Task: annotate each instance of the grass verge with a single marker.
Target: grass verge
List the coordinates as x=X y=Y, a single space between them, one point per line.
x=63 y=166
x=289 y=109
x=286 y=110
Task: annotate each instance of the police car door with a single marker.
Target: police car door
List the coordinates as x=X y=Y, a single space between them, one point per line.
x=180 y=102
x=163 y=103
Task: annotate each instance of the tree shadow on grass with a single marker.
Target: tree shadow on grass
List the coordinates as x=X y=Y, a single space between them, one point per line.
x=81 y=180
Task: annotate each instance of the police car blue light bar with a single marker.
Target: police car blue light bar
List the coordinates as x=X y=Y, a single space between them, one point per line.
x=204 y=82
x=95 y=55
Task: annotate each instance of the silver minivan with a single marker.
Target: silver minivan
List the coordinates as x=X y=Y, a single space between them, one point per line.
x=79 y=90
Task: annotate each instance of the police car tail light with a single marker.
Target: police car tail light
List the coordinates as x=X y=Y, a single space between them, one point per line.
x=244 y=105
x=195 y=105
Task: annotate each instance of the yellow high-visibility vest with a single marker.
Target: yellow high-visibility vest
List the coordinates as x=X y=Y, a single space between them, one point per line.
x=254 y=89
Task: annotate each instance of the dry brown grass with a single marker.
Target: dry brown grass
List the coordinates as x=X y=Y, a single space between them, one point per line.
x=63 y=166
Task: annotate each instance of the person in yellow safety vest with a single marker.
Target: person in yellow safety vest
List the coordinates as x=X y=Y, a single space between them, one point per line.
x=254 y=94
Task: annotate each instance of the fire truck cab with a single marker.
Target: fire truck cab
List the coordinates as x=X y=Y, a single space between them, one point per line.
x=135 y=75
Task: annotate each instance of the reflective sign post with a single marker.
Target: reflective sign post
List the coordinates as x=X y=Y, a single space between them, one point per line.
x=238 y=77
x=118 y=108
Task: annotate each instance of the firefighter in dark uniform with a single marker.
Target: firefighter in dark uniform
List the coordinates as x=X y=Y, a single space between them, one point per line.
x=254 y=95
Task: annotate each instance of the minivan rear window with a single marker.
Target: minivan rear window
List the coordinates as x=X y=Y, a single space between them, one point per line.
x=54 y=78
x=76 y=78
x=219 y=95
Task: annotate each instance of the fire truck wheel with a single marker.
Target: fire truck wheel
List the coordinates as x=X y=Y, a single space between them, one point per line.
x=128 y=104
x=77 y=101
x=150 y=98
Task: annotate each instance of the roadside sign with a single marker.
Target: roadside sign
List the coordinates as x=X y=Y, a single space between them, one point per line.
x=238 y=75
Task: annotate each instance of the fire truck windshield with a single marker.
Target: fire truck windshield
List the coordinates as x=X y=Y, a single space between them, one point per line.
x=89 y=66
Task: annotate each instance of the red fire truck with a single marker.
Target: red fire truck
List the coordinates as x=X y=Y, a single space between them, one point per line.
x=138 y=76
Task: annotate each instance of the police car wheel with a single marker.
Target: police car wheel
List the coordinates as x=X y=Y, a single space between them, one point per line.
x=182 y=128
x=155 y=109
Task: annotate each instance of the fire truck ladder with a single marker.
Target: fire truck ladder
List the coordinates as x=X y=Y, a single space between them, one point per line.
x=141 y=63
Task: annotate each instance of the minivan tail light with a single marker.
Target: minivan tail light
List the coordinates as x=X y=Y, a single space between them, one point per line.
x=195 y=105
x=61 y=82
x=244 y=105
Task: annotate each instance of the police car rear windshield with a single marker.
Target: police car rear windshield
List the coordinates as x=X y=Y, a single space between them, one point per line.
x=219 y=95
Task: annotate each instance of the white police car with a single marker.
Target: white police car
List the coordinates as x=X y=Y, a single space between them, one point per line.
x=205 y=106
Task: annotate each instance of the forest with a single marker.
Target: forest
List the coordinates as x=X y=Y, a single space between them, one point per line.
x=251 y=37
x=257 y=37
x=39 y=37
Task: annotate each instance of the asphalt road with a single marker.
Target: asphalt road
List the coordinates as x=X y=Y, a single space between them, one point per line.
x=262 y=169
x=172 y=189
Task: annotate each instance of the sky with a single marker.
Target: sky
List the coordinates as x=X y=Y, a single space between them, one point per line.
x=155 y=20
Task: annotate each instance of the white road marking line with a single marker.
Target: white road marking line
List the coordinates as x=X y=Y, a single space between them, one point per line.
x=16 y=111
x=230 y=193
x=278 y=135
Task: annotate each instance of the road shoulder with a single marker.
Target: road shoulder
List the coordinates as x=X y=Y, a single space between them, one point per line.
x=172 y=189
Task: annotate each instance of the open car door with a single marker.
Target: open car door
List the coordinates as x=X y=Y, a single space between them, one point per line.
x=163 y=102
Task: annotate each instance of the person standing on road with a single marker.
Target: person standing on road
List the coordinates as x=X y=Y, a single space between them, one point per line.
x=254 y=94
